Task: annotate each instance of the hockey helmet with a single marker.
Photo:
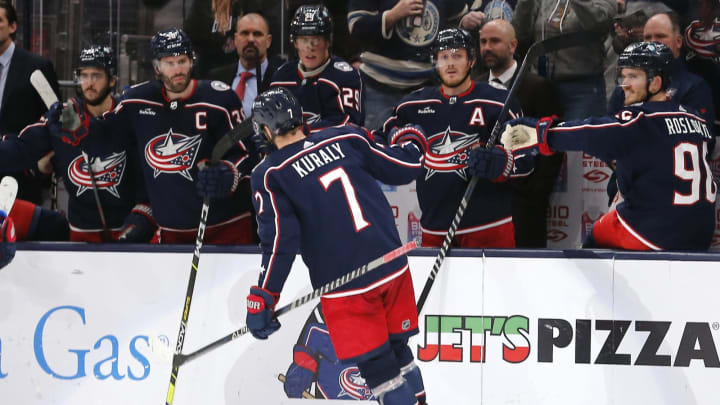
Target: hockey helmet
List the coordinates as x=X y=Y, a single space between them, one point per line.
x=311 y=20
x=278 y=109
x=171 y=42
x=454 y=38
x=653 y=57
x=97 y=56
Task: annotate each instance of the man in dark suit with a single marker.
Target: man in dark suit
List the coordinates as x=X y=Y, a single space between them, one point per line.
x=20 y=105
x=536 y=96
x=252 y=40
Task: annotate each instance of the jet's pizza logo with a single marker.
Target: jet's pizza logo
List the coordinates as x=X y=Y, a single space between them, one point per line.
x=172 y=153
x=445 y=341
x=107 y=170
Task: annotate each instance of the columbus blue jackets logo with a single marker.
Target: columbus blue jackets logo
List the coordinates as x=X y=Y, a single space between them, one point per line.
x=419 y=32
x=448 y=152
x=704 y=42
x=108 y=173
x=173 y=153
x=353 y=385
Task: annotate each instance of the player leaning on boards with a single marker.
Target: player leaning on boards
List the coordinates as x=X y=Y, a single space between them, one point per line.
x=117 y=180
x=662 y=152
x=171 y=125
x=319 y=195
x=329 y=89
x=457 y=116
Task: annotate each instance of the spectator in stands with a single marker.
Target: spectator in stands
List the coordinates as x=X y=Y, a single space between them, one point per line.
x=577 y=73
x=397 y=36
x=252 y=40
x=530 y=194
x=20 y=105
x=328 y=88
x=684 y=87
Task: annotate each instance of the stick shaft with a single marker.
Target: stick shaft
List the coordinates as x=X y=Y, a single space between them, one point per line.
x=339 y=282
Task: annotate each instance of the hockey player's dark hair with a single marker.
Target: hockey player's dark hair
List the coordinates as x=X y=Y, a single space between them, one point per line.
x=10 y=13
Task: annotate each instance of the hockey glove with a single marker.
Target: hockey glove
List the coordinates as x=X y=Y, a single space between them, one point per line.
x=68 y=122
x=7 y=240
x=217 y=180
x=530 y=133
x=260 y=310
x=409 y=133
x=139 y=225
x=495 y=164
x=301 y=372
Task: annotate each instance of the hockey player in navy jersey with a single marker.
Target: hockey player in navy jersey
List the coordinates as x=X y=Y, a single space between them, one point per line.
x=457 y=116
x=319 y=195
x=126 y=212
x=662 y=152
x=329 y=89
x=172 y=124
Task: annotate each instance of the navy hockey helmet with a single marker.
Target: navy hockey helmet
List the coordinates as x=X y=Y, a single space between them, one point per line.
x=311 y=20
x=454 y=38
x=653 y=57
x=97 y=56
x=171 y=42
x=278 y=109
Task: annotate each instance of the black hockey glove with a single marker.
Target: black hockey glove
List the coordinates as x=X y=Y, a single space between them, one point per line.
x=217 y=180
x=139 y=225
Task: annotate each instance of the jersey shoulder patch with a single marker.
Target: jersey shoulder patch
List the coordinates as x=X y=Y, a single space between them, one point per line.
x=343 y=66
x=219 y=86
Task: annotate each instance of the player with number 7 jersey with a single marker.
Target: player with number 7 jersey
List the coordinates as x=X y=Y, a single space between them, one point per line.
x=662 y=152
x=319 y=195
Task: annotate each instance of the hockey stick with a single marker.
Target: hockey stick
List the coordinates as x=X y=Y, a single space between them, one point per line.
x=105 y=235
x=43 y=88
x=8 y=192
x=538 y=48
x=305 y=394
x=241 y=131
x=180 y=359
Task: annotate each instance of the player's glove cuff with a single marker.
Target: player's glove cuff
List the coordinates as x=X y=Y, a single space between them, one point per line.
x=542 y=127
x=409 y=133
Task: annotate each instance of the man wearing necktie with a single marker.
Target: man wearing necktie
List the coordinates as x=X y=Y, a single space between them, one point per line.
x=536 y=96
x=252 y=40
x=20 y=105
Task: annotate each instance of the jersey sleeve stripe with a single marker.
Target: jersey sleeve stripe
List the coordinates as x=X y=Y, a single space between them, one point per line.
x=598 y=126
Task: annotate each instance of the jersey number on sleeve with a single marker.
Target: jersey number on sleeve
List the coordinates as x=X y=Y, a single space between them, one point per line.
x=339 y=174
x=687 y=167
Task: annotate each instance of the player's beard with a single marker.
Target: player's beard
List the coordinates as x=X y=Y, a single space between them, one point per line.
x=100 y=98
x=173 y=87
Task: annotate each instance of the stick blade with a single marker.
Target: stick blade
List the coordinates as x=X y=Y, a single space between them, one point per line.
x=235 y=135
x=8 y=192
x=43 y=88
